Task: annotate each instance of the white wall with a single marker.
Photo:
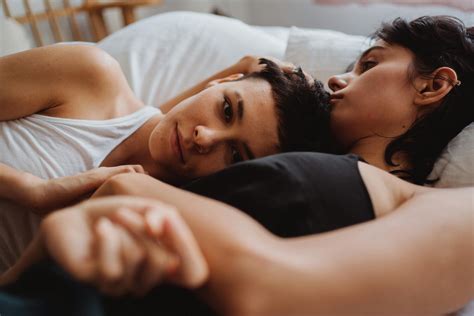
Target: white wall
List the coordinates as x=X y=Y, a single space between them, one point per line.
x=353 y=19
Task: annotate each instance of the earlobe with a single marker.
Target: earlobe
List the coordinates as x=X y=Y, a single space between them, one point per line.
x=433 y=89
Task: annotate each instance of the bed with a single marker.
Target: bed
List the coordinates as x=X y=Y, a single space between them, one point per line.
x=165 y=54
x=158 y=66
x=178 y=49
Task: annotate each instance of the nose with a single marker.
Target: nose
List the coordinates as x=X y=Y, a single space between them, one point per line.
x=339 y=82
x=206 y=138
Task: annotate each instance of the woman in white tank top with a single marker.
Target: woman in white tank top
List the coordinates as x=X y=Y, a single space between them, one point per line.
x=66 y=110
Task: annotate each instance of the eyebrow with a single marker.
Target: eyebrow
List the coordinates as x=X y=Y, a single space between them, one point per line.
x=240 y=105
x=240 y=115
x=367 y=51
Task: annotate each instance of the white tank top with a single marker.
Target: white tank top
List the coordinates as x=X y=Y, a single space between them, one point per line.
x=51 y=147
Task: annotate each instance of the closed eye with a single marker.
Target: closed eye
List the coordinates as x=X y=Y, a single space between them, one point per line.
x=366 y=65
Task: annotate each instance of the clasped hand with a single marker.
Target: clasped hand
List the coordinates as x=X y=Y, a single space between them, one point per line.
x=124 y=245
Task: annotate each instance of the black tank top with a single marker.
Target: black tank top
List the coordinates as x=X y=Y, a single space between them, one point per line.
x=293 y=194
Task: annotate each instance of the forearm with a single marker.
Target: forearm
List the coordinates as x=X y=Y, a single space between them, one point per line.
x=418 y=260
x=236 y=247
x=12 y=182
x=168 y=105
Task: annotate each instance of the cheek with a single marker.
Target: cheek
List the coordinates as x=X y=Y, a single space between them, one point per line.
x=204 y=165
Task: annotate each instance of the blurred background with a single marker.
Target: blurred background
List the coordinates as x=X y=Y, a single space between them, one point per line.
x=29 y=23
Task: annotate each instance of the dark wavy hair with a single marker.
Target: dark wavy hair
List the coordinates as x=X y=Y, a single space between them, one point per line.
x=302 y=108
x=436 y=41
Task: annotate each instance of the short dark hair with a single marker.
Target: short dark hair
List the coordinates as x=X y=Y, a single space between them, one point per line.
x=302 y=108
x=436 y=41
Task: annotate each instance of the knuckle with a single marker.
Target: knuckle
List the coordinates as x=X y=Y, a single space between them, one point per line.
x=137 y=256
x=129 y=169
x=111 y=275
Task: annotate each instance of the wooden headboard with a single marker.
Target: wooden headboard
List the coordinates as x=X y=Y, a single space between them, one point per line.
x=93 y=9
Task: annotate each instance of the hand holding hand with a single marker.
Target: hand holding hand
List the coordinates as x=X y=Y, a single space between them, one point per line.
x=124 y=245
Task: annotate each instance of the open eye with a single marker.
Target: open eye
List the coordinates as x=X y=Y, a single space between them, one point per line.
x=227 y=110
x=366 y=65
x=236 y=156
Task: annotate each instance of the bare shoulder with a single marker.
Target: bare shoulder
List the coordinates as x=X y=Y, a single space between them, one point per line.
x=386 y=191
x=97 y=88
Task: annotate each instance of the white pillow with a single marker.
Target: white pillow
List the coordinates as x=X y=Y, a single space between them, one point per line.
x=164 y=54
x=455 y=167
x=323 y=53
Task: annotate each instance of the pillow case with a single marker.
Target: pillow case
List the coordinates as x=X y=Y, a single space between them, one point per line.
x=167 y=53
x=323 y=53
x=455 y=166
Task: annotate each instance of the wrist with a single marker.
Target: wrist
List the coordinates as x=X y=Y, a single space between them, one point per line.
x=28 y=189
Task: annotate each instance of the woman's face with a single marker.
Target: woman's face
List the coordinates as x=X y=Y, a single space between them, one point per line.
x=207 y=132
x=375 y=98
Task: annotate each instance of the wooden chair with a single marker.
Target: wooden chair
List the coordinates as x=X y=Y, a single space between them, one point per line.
x=92 y=9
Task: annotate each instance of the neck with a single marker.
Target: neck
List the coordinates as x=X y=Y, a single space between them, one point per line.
x=372 y=149
x=135 y=150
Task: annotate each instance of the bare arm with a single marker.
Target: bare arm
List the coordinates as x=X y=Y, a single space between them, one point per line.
x=44 y=78
x=168 y=105
x=416 y=260
x=244 y=66
x=43 y=196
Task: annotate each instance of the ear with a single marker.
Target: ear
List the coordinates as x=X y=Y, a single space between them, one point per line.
x=232 y=77
x=433 y=89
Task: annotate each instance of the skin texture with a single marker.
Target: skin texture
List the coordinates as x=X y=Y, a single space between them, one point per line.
x=212 y=136
x=378 y=101
x=375 y=94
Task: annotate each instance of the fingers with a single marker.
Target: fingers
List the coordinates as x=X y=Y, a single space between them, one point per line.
x=109 y=267
x=138 y=243
x=164 y=223
x=123 y=169
x=159 y=262
x=133 y=256
x=193 y=270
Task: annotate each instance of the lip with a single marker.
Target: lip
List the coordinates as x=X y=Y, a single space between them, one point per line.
x=176 y=141
x=335 y=97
